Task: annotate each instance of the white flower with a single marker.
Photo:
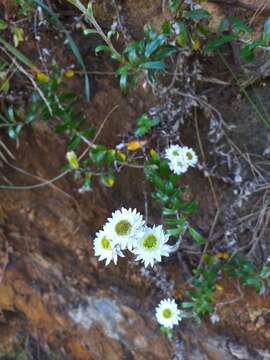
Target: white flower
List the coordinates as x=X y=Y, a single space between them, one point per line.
x=190 y=156
x=180 y=158
x=167 y=313
x=214 y=318
x=178 y=166
x=152 y=245
x=124 y=227
x=173 y=152
x=105 y=249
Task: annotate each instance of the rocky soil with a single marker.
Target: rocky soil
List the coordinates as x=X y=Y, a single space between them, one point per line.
x=56 y=300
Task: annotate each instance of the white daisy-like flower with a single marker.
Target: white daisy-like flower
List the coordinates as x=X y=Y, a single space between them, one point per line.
x=105 y=248
x=179 y=165
x=190 y=156
x=125 y=227
x=177 y=159
x=152 y=245
x=180 y=158
x=167 y=313
x=172 y=152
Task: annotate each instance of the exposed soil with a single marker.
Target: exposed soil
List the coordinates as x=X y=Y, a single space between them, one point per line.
x=56 y=300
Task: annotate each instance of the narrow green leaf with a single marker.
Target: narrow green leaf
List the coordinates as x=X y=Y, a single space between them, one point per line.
x=153 y=65
x=197 y=14
x=167 y=211
x=73 y=46
x=218 y=43
x=153 y=45
x=89 y=31
x=239 y=25
x=19 y=55
x=196 y=236
x=100 y=48
x=3 y=24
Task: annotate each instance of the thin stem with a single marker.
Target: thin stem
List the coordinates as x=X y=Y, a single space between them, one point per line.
x=91 y=19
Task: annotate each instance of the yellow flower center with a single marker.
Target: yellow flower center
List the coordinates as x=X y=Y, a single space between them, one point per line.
x=123 y=228
x=167 y=313
x=105 y=243
x=189 y=155
x=175 y=153
x=150 y=242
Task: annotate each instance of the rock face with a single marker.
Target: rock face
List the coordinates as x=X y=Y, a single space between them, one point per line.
x=56 y=300
x=52 y=290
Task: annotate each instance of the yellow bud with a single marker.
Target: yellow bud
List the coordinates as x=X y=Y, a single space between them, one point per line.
x=69 y=73
x=42 y=77
x=110 y=181
x=122 y=156
x=154 y=154
x=219 y=287
x=73 y=160
x=135 y=145
x=223 y=255
x=196 y=45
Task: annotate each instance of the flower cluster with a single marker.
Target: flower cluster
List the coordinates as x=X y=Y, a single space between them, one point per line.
x=126 y=230
x=180 y=158
x=168 y=314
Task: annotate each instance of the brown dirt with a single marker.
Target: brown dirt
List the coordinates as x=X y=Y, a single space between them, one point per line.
x=56 y=300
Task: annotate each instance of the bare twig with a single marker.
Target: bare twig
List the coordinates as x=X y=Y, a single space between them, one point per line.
x=31 y=78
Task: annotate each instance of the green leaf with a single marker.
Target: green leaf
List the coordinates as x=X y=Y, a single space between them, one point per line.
x=89 y=31
x=161 y=197
x=238 y=25
x=72 y=160
x=247 y=52
x=182 y=38
x=149 y=32
x=165 y=52
x=123 y=69
x=197 y=14
x=3 y=24
x=100 y=48
x=167 y=27
x=123 y=82
x=164 y=168
x=108 y=180
x=187 y=304
x=110 y=156
x=153 y=65
x=74 y=142
x=73 y=46
x=168 y=212
x=98 y=153
x=224 y=25
x=153 y=45
x=174 y=232
x=19 y=56
x=196 y=236
x=218 y=43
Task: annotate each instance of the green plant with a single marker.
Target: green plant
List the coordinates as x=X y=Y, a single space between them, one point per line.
x=233 y=29
x=169 y=194
x=200 y=299
x=26 y=7
x=145 y=124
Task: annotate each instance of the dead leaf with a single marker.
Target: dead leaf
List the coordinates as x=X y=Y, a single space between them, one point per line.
x=135 y=145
